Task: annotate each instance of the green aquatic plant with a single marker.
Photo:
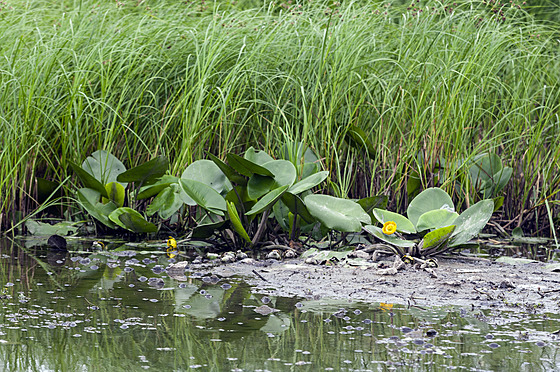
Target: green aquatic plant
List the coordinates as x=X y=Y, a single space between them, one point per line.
x=432 y=217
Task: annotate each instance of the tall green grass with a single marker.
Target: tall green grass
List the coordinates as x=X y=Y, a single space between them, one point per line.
x=431 y=89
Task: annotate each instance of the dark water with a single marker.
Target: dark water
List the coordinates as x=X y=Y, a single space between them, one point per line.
x=105 y=312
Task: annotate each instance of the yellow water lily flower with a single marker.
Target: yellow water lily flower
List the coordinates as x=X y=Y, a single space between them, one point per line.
x=385 y=307
x=389 y=228
x=171 y=242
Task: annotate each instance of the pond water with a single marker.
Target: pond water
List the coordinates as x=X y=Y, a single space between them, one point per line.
x=110 y=312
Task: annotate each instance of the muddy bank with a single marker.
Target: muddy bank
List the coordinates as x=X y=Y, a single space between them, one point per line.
x=480 y=283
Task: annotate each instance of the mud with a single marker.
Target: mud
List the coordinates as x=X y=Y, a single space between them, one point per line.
x=475 y=283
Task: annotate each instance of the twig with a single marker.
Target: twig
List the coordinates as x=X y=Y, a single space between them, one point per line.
x=259 y=275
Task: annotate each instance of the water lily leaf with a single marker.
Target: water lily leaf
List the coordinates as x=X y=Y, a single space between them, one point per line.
x=204 y=195
x=89 y=200
x=257 y=156
x=41 y=228
x=115 y=193
x=268 y=200
x=391 y=239
x=229 y=172
x=500 y=179
x=131 y=220
x=514 y=261
x=428 y=200
x=281 y=213
x=336 y=213
x=146 y=172
x=136 y=223
x=498 y=202
x=484 y=167
x=472 y=221
x=207 y=172
x=284 y=172
x=325 y=255
x=236 y=222
x=308 y=182
x=247 y=167
x=88 y=180
x=437 y=237
x=155 y=188
x=204 y=231
x=378 y=201
x=435 y=219
x=104 y=167
x=403 y=224
x=258 y=186
x=297 y=206
x=167 y=202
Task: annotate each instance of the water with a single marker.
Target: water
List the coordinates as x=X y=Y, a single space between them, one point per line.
x=101 y=312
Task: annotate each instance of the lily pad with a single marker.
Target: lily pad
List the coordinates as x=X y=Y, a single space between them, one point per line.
x=115 y=193
x=472 y=221
x=131 y=220
x=207 y=172
x=60 y=228
x=437 y=237
x=204 y=195
x=337 y=214
x=308 y=182
x=268 y=200
x=428 y=200
x=391 y=239
x=146 y=172
x=104 y=167
x=403 y=224
x=436 y=219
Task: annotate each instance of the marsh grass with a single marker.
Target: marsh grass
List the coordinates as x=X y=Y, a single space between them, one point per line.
x=430 y=88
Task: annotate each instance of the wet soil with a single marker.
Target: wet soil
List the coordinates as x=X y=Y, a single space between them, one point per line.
x=474 y=283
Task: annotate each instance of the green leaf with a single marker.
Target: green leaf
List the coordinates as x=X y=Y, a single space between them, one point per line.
x=283 y=171
x=258 y=186
x=89 y=200
x=268 y=200
x=336 y=213
x=115 y=193
x=308 y=182
x=281 y=213
x=247 y=167
x=236 y=222
x=437 y=237
x=104 y=167
x=146 y=172
x=515 y=261
x=204 y=195
x=403 y=224
x=435 y=219
x=229 y=172
x=378 y=201
x=391 y=239
x=167 y=202
x=155 y=188
x=498 y=202
x=428 y=200
x=41 y=228
x=204 y=231
x=297 y=206
x=131 y=220
x=207 y=172
x=257 y=156
x=471 y=222
x=484 y=167
x=88 y=180
x=357 y=138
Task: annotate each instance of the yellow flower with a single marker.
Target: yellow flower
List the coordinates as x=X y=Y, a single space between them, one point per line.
x=171 y=242
x=389 y=228
x=385 y=307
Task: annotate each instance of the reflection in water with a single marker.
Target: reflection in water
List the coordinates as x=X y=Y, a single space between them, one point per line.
x=103 y=312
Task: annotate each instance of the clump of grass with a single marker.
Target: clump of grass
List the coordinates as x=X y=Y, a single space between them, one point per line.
x=431 y=86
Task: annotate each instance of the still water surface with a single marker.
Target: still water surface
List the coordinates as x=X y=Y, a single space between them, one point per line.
x=125 y=311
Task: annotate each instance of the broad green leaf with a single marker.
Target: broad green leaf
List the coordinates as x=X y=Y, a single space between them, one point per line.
x=204 y=195
x=435 y=219
x=104 y=167
x=146 y=172
x=88 y=180
x=337 y=214
x=236 y=222
x=403 y=224
x=378 y=201
x=131 y=220
x=167 y=202
x=427 y=200
x=308 y=182
x=89 y=200
x=155 y=188
x=391 y=239
x=357 y=138
x=229 y=172
x=498 y=202
x=207 y=172
x=484 y=167
x=297 y=206
x=471 y=222
x=41 y=228
x=281 y=211
x=497 y=182
x=247 y=167
x=258 y=186
x=437 y=237
x=268 y=200
x=283 y=171
x=307 y=169
x=115 y=193
x=204 y=231
x=257 y=156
